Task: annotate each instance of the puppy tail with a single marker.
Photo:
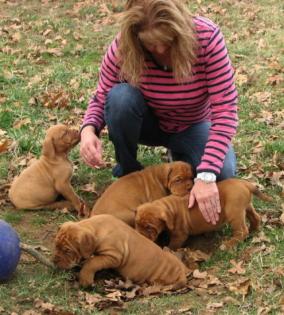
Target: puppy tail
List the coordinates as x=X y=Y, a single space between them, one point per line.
x=254 y=189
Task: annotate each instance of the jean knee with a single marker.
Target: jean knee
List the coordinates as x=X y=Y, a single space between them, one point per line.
x=230 y=166
x=122 y=99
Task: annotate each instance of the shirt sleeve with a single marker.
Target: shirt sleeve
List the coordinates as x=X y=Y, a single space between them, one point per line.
x=108 y=77
x=223 y=99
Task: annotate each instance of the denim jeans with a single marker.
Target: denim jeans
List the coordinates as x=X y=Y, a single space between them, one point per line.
x=131 y=122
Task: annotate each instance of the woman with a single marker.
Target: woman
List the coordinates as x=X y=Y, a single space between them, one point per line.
x=167 y=80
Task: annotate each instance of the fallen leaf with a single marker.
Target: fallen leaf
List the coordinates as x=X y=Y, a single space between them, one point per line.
x=4 y=145
x=261 y=237
x=262 y=97
x=150 y=290
x=22 y=122
x=237 y=267
x=263 y=310
x=44 y=306
x=31 y=312
x=241 y=286
x=215 y=305
x=282 y=218
x=199 y=275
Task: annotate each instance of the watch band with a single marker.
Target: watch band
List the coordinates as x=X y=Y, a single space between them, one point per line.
x=206 y=177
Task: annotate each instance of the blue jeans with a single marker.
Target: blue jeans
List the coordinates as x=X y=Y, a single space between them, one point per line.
x=131 y=122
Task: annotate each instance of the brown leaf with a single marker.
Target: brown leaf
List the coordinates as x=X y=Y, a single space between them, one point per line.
x=275 y=79
x=16 y=37
x=46 y=307
x=230 y=300
x=92 y=299
x=150 y=290
x=55 y=98
x=263 y=310
x=279 y=271
x=90 y=188
x=262 y=97
x=21 y=122
x=199 y=275
x=282 y=218
x=3 y=99
x=4 y=145
x=241 y=79
x=241 y=286
x=31 y=312
x=212 y=306
x=53 y=51
x=237 y=267
x=114 y=295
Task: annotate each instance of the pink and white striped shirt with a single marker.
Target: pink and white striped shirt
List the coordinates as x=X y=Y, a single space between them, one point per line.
x=209 y=95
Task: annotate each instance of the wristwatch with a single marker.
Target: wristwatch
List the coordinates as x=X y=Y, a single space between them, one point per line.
x=206 y=177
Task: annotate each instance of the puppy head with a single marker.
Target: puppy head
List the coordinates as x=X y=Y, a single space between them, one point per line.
x=59 y=139
x=149 y=221
x=179 y=177
x=72 y=244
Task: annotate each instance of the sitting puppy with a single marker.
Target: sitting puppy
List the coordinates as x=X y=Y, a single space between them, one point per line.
x=41 y=183
x=104 y=242
x=172 y=213
x=123 y=196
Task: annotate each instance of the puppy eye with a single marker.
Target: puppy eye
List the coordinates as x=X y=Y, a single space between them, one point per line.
x=178 y=180
x=64 y=133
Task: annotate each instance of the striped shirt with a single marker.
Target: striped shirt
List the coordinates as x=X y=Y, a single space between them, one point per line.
x=208 y=95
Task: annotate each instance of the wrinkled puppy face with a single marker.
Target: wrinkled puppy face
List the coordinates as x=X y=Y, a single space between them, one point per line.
x=148 y=222
x=62 y=138
x=180 y=178
x=72 y=244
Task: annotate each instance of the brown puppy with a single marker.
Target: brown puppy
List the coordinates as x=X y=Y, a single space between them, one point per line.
x=123 y=196
x=172 y=213
x=39 y=185
x=104 y=242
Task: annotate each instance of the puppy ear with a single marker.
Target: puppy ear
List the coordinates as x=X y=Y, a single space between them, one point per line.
x=191 y=172
x=86 y=244
x=48 y=148
x=168 y=173
x=167 y=219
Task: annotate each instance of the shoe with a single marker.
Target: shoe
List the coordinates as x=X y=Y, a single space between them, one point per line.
x=117 y=171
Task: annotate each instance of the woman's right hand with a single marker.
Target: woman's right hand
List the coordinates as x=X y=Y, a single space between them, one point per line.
x=91 y=147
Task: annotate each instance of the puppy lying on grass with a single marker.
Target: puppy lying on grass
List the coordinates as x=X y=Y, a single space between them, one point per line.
x=104 y=242
x=172 y=213
x=123 y=196
x=39 y=185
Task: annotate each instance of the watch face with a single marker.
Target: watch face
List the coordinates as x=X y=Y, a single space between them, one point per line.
x=209 y=177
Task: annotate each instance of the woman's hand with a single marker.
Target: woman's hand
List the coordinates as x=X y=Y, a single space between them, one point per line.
x=207 y=197
x=91 y=147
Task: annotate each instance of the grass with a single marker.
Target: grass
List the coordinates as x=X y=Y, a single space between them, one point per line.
x=57 y=46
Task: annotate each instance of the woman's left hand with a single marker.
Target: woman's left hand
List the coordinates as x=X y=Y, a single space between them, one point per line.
x=207 y=197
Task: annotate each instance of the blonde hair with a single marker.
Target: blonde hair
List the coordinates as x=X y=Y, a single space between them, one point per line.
x=167 y=21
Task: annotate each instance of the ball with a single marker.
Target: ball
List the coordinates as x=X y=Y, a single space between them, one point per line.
x=10 y=251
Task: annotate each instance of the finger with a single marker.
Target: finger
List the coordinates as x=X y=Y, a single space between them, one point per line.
x=90 y=163
x=210 y=212
x=218 y=205
x=203 y=210
x=191 y=200
x=92 y=156
x=214 y=212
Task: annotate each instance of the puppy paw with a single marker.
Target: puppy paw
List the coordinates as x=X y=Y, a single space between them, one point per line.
x=86 y=280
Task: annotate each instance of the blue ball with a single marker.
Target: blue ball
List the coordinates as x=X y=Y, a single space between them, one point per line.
x=10 y=251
